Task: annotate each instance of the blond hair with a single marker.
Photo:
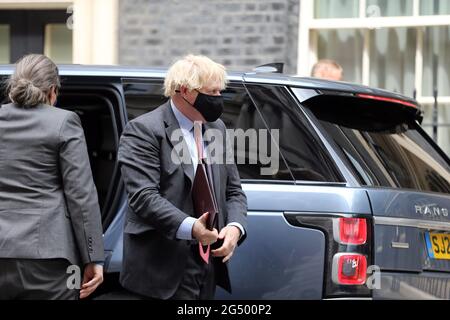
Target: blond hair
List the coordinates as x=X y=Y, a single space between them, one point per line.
x=33 y=78
x=194 y=72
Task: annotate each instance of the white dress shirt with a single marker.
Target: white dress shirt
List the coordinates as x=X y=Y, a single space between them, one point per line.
x=184 y=232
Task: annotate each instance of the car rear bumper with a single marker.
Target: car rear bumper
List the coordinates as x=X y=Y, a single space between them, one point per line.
x=420 y=286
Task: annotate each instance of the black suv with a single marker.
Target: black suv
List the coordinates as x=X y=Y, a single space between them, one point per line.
x=349 y=199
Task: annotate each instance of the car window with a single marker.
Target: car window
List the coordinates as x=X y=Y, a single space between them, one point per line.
x=385 y=149
x=142 y=96
x=301 y=149
x=256 y=153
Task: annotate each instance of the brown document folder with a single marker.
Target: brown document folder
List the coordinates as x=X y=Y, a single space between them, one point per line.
x=203 y=196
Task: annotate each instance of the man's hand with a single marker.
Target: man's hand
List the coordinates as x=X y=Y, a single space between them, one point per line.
x=230 y=236
x=201 y=233
x=92 y=278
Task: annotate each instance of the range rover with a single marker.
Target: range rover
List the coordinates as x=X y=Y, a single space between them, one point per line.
x=356 y=207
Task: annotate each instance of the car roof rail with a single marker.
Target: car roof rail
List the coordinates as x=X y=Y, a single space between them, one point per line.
x=275 y=67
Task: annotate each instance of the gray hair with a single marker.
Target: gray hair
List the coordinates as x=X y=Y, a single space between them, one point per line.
x=32 y=81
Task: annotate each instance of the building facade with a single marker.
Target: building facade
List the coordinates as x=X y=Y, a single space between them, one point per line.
x=401 y=45
x=69 y=31
x=241 y=34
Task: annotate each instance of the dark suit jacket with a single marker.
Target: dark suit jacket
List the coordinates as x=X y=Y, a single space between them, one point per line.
x=159 y=193
x=48 y=200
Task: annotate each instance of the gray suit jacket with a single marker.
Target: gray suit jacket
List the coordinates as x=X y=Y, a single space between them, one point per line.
x=159 y=194
x=48 y=200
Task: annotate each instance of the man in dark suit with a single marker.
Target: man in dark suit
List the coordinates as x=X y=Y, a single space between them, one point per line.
x=162 y=234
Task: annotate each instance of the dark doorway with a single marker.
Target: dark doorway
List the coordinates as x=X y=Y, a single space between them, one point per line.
x=27 y=29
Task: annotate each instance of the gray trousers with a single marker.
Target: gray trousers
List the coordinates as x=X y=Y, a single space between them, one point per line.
x=198 y=282
x=35 y=279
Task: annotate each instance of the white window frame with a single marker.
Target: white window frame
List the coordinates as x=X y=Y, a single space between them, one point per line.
x=95 y=26
x=308 y=39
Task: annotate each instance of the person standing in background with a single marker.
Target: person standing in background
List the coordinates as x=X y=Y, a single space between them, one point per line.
x=327 y=69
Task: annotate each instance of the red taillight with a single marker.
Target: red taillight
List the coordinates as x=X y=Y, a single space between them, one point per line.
x=352 y=231
x=405 y=103
x=349 y=269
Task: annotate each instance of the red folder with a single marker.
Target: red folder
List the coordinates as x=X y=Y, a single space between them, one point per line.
x=203 y=196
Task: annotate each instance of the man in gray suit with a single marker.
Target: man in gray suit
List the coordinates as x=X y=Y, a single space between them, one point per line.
x=162 y=235
x=49 y=213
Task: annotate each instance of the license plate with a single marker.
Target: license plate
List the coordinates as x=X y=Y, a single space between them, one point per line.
x=438 y=245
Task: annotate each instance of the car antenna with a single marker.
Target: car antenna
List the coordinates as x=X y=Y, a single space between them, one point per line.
x=275 y=67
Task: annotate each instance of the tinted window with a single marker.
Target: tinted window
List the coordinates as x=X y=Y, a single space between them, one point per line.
x=385 y=148
x=256 y=155
x=256 y=151
x=300 y=147
x=142 y=96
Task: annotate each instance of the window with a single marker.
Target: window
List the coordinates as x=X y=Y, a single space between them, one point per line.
x=400 y=45
x=385 y=8
x=239 y=113
x=300 y=149
x=142 y=96
x=378 y=8
x=391 y=62
x=396 y=159
x=4 y=44
x=98 y=108
x=336 y=8
x=435 y=7
x=58 y=42
x=383 y=145
x=436 y=61
x=345 y=46
x=441 y=132
x=35 y=31
x=256 y=152
x=254 y=161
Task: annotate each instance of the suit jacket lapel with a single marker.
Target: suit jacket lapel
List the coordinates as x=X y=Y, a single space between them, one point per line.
x=171 y=125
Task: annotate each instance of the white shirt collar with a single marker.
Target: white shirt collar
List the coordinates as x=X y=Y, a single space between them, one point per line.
x=184 y=122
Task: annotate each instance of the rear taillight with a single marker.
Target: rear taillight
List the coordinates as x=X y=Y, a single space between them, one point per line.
x=385 y=99
x=349 y=269
x=348 y=254
x=350 y=231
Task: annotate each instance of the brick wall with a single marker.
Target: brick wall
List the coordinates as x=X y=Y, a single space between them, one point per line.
x=241 y=34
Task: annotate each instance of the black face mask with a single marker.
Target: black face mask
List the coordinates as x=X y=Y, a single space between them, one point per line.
x=210 y=107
